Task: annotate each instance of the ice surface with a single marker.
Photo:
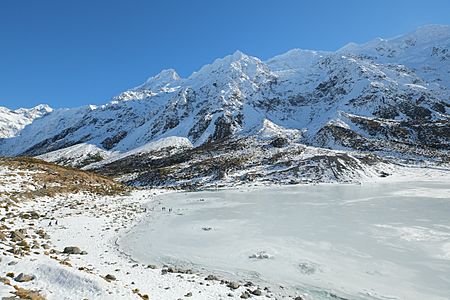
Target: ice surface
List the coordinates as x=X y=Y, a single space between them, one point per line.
x=374 y=241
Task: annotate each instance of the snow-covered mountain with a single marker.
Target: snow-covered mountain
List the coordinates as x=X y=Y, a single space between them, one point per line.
x=386 y=98
x=13 y=121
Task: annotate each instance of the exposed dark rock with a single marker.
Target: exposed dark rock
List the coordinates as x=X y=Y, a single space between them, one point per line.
x=279 y=142
x=256 y=292
x=110 y=142
x=24 y=278
x=110 y=277
x=211 y=277
x=72 y=250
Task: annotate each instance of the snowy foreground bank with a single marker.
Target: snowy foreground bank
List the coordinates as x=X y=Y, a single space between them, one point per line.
x=100 y=226
x=104 y=272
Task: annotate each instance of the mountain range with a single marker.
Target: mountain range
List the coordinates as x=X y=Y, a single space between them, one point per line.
x=13 y=121
x=302 y=116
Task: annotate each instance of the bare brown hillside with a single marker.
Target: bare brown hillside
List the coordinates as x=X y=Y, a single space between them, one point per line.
x=27 y=178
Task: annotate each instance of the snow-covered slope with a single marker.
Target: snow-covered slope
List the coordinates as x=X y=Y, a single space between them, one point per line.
x=160 y=148
x=425 y=51
x=78 y=155
x=389 y=97
x=12 y=121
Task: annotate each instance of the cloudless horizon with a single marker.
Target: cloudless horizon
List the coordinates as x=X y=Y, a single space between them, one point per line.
x=74 y=53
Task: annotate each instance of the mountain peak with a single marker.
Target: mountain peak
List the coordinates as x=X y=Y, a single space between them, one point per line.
x=168 y=74
x=42 y=108
x=429 y=33
x=422 y=35
x=238 y=55
x=236 y=63
x=295 y=59
x=12 y=121
x=163 y=79
x=38 y=110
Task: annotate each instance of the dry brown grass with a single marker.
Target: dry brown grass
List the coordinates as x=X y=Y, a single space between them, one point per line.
x=50 y=179
x=27 y=294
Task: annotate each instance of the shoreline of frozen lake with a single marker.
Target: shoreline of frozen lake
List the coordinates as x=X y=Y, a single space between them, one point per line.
x=371 y=241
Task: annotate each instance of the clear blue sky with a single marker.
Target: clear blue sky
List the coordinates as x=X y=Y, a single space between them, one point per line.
x=72 y=53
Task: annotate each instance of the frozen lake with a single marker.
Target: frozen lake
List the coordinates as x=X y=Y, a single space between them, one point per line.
x=373 y=241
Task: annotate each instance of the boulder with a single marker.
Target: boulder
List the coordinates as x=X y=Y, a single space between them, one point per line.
x=72 y=250
x=24 y=278
x=34 y=215
x=257 y=292
x=110 y=277
x=17 y=236
x=211 y=277
x=233 y=285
